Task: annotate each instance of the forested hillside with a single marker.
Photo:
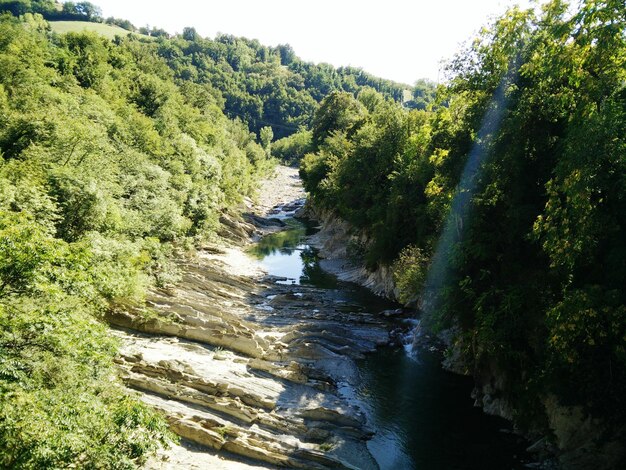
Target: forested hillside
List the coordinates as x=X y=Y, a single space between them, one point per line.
x=263 y=86
x=107 y=165
x=535 y=266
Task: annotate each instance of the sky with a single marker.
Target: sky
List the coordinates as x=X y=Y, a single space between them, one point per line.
x=401 y=40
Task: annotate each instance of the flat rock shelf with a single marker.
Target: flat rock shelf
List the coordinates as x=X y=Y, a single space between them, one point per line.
x=259 y=359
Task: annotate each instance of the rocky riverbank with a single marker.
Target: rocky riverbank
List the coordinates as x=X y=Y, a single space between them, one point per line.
x=333 y=242
x=244 y=367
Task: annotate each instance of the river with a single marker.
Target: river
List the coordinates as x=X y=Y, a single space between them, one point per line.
x=422 y=416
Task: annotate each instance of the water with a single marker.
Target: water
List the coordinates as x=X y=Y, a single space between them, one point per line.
x=425 y=419
x=282 y=253
x=423 y=416
x=286 y=255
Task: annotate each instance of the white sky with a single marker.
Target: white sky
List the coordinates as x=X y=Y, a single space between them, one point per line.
x=402 y=40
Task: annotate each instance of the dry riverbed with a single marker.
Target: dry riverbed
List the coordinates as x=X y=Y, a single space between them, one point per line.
x=247 y=371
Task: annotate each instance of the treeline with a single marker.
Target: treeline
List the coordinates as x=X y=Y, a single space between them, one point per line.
x=536 y=268
x=108 y=164
x=261 y=85
x=53 y=10
x=270 y=86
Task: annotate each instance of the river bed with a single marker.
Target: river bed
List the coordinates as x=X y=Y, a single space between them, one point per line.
x=273 y=362
x=422 y=417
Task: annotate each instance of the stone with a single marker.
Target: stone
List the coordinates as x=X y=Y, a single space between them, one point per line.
x=259 y=383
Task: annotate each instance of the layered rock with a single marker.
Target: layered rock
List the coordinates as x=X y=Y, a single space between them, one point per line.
x=250 y=367
x=241 y=365
x=333 y=242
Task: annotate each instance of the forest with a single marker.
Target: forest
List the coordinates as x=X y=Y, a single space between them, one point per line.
x=263 y=86
x=532 y=277
x=118 y=156
x=109 y=165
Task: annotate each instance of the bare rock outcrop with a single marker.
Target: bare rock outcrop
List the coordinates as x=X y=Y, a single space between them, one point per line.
x=241 y=365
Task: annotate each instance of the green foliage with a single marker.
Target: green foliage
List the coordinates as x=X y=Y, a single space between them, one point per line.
x=546 y=230
x=107 y=163
x=114 y=152
x=293 y=148
x=327 y=446
x=26 y=253
x=370 y=166
x=266 y=135
x=52 y=10
x=264 y=86
x=423 y=94
x=535 y=280
x=338 y=112
x=409 y=273
x=587 y=338
x=61 y=403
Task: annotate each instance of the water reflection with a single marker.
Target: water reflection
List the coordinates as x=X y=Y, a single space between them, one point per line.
x=423 y=416
x=283 y=242
x=312 y=274
x=425 y=419
x=285 y=254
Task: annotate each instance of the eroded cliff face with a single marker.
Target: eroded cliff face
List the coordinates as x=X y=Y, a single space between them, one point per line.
x=332 y=241
x=568 y=437
x=574 y=441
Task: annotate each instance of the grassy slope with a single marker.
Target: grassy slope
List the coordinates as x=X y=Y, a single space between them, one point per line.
x=106 y=30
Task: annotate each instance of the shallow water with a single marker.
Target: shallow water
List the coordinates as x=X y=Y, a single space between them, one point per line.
x=422 y=416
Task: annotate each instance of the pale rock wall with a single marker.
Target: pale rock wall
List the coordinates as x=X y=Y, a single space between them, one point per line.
x=332 y=241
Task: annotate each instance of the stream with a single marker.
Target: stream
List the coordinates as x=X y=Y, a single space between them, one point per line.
x=422 y=416
x=273 y=362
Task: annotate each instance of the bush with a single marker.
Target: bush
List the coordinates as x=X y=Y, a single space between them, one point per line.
x=292 y=149
x=409 y=273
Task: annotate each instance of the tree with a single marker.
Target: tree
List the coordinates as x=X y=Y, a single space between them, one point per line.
x=338 y=112
x=370 y=98
x=190 y=34
x=266 y=139
x=16 y=7
x=287 y=54
x=90 y=11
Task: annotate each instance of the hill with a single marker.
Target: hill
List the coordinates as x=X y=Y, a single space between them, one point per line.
x=263 y=86
x=103 y=29
x=108 y=165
